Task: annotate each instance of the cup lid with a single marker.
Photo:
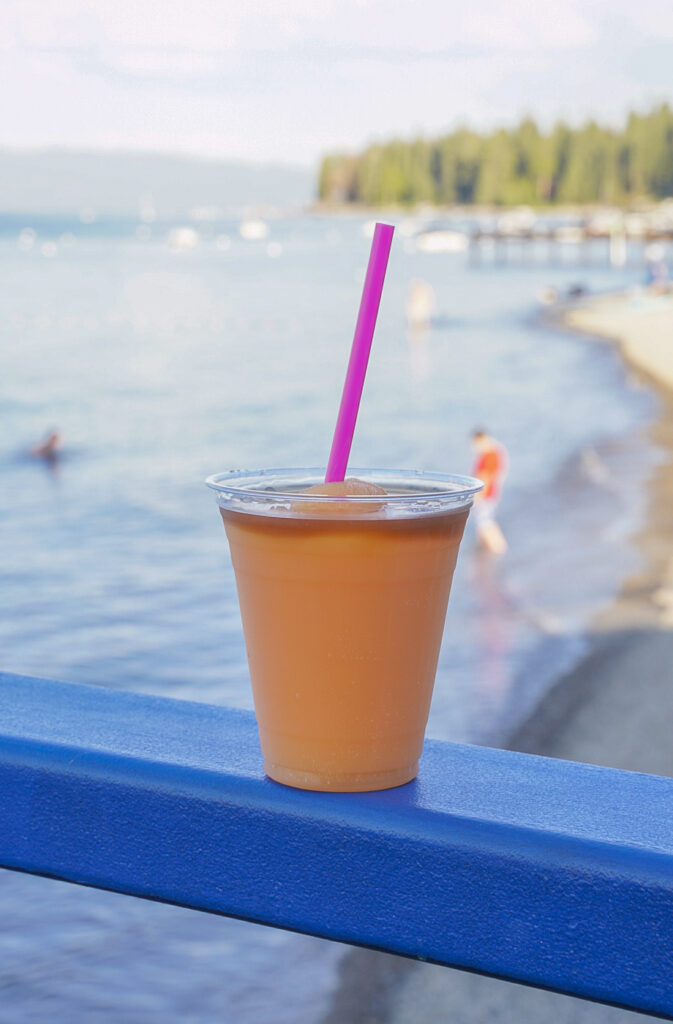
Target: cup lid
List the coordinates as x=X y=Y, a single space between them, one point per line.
x=409 y=493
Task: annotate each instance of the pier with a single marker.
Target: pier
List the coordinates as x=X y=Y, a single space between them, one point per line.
x=570 y=244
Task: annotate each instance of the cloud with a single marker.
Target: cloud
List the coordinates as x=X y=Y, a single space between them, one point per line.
x=287 y=80
x=220 y=25
x=194 y=24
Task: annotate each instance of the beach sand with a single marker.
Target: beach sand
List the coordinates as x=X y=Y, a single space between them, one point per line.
x=614 y=708
x=639 y=322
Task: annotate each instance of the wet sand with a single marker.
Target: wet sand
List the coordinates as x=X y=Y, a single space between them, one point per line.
x=614 y=708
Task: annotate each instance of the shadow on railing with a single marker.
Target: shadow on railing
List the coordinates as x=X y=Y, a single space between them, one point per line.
x=546 y=872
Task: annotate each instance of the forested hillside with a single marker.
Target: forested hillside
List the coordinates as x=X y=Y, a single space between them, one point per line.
x=511 y=167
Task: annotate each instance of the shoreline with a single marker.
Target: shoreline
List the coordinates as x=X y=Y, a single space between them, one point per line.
x=642 y=610
x=612 y=708
x=639 y=323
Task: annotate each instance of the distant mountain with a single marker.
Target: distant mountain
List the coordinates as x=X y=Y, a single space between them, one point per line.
x=150 y=185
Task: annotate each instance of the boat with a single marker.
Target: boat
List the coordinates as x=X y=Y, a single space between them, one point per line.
x=569 y=233
x=253 y=230
x=519 y=221
x=182 y=239
x=441 y=240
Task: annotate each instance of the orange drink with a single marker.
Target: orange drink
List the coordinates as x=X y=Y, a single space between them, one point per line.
x=343 y=598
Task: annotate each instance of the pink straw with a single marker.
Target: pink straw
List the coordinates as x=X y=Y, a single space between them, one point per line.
x=359 y=357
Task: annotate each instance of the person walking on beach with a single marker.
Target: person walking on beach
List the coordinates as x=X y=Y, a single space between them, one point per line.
x=490 y=466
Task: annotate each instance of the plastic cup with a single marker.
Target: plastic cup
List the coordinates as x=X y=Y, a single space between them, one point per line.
x=343 y=602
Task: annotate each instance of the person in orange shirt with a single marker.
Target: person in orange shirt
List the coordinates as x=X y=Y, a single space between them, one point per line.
x=490 y=466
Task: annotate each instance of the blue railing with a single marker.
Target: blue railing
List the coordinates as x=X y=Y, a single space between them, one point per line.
x=546 y=872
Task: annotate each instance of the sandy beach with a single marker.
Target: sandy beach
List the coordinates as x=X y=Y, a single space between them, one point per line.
x=614 y=708
x=639 y=322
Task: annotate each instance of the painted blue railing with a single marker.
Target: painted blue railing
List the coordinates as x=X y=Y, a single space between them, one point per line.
x=546 y=872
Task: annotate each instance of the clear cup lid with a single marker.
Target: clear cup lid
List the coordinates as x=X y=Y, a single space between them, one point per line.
x=282 y=492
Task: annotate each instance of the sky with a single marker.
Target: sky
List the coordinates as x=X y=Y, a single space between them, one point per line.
x=289 y=80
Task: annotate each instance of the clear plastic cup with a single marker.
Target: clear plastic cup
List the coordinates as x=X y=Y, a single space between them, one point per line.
x=343 y=602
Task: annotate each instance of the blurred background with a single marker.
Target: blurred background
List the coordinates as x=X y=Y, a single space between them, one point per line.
x=187 y=197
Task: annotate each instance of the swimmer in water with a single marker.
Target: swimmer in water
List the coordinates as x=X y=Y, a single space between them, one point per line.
x=50 y=448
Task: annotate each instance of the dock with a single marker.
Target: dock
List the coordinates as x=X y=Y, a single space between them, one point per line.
x=576 y=244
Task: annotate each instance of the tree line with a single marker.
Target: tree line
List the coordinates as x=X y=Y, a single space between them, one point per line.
x=523 y=165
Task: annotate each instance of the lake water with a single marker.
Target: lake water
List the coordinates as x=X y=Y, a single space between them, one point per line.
x=160 y=367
